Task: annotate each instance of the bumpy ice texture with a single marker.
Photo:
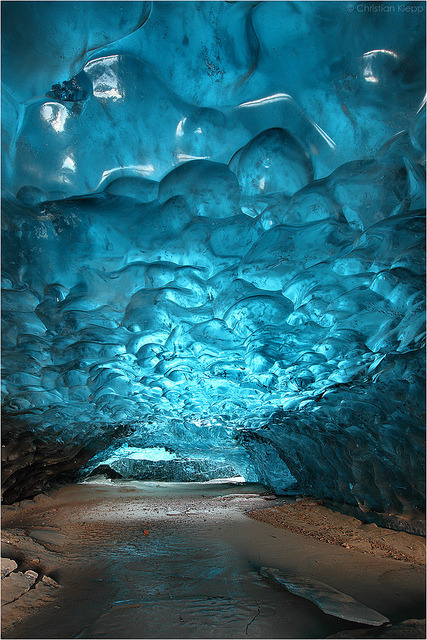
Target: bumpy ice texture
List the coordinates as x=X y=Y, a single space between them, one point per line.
x=213 y=243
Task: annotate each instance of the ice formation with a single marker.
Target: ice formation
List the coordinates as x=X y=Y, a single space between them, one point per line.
x=213 y=241
x=328 y=599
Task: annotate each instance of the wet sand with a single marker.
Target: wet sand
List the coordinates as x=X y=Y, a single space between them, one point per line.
x=153 y=560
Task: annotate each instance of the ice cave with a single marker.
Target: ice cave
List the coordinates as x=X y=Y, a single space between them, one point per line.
x=213 y=297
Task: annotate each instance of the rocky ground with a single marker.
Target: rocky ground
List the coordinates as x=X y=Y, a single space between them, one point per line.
x=23 y=590
x=309 y=518
x=406 y=629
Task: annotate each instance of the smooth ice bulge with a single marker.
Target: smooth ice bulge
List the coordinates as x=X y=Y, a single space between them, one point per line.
x=213 y=245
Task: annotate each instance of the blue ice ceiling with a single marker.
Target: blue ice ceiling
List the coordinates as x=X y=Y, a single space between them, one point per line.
x=213 y=237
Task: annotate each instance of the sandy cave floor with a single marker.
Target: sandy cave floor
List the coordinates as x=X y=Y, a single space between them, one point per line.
x=157 y=560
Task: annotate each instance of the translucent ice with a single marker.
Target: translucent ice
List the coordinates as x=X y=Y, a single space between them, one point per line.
x=273 y=161
x=213 y=244
x=210 y=189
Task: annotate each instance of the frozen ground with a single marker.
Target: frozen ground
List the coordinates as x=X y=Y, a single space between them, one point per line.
x=152 y=560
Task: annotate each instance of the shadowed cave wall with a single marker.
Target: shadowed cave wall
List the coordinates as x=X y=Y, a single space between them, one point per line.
x=213 y=247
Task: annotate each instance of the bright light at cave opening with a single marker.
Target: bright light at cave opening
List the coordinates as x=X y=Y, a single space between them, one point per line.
x=154 y=454
x=162 y=455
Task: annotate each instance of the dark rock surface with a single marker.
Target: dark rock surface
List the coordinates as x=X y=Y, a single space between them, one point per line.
x=406 y=629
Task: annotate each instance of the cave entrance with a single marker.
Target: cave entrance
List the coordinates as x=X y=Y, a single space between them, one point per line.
x=160 y=464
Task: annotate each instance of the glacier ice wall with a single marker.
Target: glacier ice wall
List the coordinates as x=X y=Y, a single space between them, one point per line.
x=213 y=242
